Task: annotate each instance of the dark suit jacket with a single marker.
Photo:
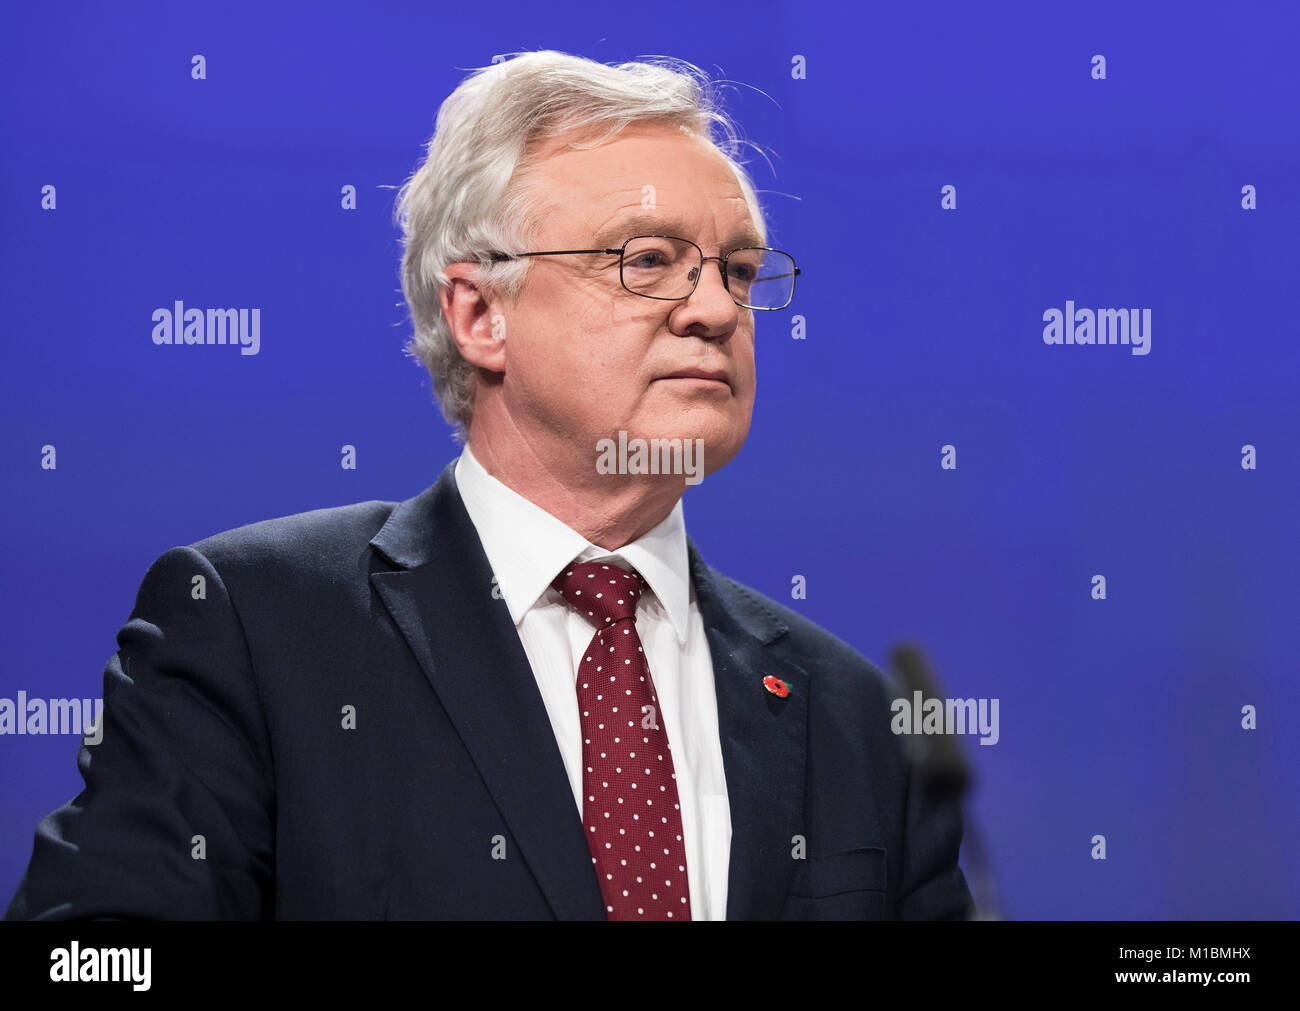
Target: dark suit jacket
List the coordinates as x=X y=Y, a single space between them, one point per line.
x=225 y=718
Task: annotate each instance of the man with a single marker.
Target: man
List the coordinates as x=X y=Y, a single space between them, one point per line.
x=411 y=710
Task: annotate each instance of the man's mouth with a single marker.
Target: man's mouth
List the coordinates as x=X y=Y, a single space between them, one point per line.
x=706 y=375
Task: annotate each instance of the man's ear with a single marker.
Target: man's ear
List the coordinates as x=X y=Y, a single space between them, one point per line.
x=477 y=326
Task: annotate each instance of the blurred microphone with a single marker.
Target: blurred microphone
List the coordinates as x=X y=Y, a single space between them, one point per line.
x=940 y=765
x=939 y=759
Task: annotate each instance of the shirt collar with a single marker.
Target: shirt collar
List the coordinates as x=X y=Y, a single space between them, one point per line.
x=527 y=546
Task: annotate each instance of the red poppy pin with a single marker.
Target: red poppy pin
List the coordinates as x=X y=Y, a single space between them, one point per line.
x=776 y=686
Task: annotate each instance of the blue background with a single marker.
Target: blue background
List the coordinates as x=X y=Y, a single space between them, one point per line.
x=1118 y=717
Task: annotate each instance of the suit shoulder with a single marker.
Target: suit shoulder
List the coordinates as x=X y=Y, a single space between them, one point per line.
x=316 y=537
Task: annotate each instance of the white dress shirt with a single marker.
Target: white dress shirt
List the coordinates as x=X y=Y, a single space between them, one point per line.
x=527 y=547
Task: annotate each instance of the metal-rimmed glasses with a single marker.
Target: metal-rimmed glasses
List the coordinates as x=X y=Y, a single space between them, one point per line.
x=667 y=267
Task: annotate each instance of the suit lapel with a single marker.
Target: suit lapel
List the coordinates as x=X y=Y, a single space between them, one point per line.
x=441 y=599
x=764 y=742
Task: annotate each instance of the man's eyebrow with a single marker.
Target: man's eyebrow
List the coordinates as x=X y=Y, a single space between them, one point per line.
x=614 y=235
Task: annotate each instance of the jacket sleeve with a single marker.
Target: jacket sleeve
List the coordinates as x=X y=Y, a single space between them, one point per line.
x=176 y=820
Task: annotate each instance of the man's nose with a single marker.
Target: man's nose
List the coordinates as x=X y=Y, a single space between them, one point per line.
x=710 y=312
x=715 y=280
x=704 y=266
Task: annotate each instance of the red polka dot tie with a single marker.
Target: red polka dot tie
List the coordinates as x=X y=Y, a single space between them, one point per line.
x=630 y=809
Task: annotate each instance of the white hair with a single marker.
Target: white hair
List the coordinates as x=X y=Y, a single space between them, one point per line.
x=467 y=200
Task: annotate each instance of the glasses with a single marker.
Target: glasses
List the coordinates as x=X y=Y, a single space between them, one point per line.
x=669 y=268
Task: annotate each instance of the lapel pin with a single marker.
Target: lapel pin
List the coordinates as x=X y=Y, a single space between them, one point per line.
x=776 y=686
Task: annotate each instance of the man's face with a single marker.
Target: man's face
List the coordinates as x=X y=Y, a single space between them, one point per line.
x=586 y=358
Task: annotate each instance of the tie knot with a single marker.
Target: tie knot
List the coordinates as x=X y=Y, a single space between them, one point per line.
x=602 y=593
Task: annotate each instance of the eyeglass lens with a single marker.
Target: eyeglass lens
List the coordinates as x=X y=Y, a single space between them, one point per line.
x=668 y=268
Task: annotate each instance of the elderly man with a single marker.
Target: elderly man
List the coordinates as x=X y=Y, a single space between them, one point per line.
x=522 y=693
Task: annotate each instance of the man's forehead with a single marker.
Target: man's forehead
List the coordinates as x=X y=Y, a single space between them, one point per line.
x=651 y=180
x=734 y=223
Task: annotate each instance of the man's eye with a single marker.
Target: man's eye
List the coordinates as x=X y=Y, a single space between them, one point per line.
x=645 y=261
